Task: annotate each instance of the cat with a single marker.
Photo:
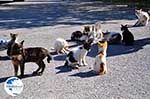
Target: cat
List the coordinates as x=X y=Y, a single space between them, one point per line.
x=61 y=46
x=20 y=56
x=76 y=57
x=143 y=18
x=100 y=66
x=86 y=34
x=113 y=37
x=81 y=36
x=128 y=38
x=96 y=32
x=75 y=36
x=102 y=46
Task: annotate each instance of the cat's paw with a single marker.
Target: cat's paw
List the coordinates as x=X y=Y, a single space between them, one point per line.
x=85 y=64
x=34 y=73
x=39 y=73
x=20 y=76
x=81 y=65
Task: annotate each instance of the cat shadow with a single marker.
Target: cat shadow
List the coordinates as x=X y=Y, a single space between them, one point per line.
x=114 y=50
x=63 y=69
x=85 y=74
x=3 y=79
x=94 y=50
x=120 y=49
x=138 y=25
x=75 y=45
x=4 y=58
x=134 y=26
x=60 y=57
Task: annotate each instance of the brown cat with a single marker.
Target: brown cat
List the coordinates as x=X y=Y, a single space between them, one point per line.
x=20 y=56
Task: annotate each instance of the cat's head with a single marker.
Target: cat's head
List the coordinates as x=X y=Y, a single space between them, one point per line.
x=102 y=44
x=124 y=27
x=86 y=29
x=17 y=48
x=138 y=11
x=87 y=44
x=13 y=36
x=98 y=26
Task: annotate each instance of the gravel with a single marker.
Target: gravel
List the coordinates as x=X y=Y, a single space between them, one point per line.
x=40 y=24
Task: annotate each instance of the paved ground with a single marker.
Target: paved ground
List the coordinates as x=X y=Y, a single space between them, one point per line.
x=39 y=24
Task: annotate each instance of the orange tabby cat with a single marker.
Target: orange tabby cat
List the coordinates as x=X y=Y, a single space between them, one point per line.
x=100 y=60
x=102 y=46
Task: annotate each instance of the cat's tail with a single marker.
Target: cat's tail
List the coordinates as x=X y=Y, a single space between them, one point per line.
x=148 y=14
x=49 y=57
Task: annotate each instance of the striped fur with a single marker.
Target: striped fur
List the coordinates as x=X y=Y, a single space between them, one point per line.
x=20 y=56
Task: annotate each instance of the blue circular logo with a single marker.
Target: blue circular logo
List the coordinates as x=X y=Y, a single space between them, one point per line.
x=13 y=86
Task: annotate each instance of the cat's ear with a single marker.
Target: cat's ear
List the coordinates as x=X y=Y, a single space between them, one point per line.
x=126 y=25
x=121 y=25
x=84 y=27
x=93 y=27
x=21 y=43
x=136 y=10
x=16 y=34
x=11 y=34
x=141 y=9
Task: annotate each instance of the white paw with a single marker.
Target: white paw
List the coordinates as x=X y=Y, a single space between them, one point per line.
x=85 y=64
x=81 y=65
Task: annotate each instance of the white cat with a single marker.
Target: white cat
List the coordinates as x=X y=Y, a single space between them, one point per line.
x=61 y=46
x=100 y=66
x=96 y=32
x=143 y=18
x=76 y=57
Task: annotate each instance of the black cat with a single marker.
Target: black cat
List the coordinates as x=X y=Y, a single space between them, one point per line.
x=75 y=36
x=128 y=38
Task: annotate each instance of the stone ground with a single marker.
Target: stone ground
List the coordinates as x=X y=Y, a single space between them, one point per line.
x=40 y=23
